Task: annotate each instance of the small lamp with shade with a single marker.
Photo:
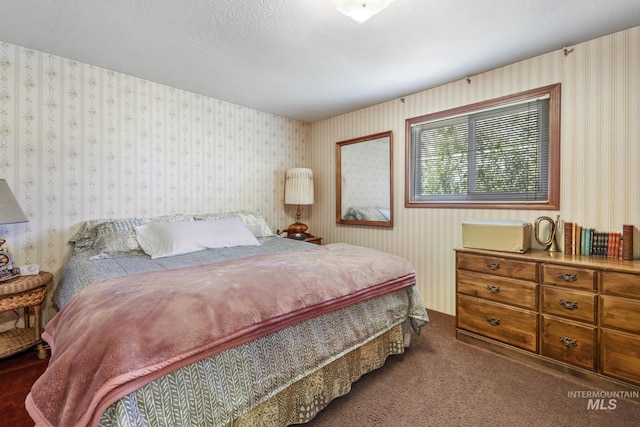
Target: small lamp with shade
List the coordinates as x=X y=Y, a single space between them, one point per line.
x=10 y=213
x=298 y=190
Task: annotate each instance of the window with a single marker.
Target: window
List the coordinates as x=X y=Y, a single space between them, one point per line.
x=502 y=153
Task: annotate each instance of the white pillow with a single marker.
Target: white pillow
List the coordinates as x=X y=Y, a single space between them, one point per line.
x=165 y=239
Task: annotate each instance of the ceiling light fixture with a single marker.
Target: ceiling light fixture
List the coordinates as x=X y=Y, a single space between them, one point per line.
x=361 y=10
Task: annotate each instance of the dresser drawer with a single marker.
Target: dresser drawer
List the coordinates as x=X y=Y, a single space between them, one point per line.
x=573 y=304
x=498 y=289
x=567 y=275
x=510 y=325
x=620 y=313
x=621 y=355
x=623 y=284
x=515 y=269
x=568 y=341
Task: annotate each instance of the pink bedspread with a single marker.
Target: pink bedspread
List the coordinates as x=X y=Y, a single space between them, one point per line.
x=116 y=336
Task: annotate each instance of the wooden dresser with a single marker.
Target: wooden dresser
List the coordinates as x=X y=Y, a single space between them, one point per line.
x=575 y=313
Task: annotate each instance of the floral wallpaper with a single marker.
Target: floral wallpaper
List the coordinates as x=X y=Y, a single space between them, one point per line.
x=80 y=142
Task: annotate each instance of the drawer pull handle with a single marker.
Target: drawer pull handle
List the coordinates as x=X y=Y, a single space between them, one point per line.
x=493 y=266
x=493 y=321
x=569 y=305
x=568 y=277
x=493 y=289
x=568 y=342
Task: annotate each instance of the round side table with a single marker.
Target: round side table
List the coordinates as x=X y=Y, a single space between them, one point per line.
x=24 y=292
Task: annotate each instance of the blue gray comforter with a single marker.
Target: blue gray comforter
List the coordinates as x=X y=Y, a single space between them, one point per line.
x=83 y=269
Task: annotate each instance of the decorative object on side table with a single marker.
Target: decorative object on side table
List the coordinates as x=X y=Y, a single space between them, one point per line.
x=298 y=190
x=24 y=292
x=6 y=263
x=10 y=213
x=309 y=238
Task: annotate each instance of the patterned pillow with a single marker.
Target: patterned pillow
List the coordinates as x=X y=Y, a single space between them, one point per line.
x=115 y=237
x=86 y=236
x=254 y=221
x=118 y=238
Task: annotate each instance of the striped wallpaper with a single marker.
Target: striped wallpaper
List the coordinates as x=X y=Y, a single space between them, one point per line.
x=600 y=155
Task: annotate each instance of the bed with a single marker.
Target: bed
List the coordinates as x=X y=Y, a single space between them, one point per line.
x=206 y=331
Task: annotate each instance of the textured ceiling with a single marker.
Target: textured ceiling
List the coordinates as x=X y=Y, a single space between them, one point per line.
x=301 y=58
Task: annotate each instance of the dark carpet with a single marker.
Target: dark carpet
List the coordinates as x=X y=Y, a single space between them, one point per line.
x=442 y=382
x=437 y=382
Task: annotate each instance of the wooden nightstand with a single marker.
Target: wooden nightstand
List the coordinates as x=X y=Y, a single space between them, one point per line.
x=314 y=239
x=309 y=239
x=24 y=292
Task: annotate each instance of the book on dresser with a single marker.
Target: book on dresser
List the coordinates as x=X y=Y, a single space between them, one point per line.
x=579 y=240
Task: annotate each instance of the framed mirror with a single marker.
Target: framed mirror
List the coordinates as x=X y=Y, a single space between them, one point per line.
x=364 y=180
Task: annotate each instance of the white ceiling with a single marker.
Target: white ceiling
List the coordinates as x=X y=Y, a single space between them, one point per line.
x=301 y=58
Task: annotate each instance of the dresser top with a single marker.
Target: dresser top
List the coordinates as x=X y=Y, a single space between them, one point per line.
x=629 y=266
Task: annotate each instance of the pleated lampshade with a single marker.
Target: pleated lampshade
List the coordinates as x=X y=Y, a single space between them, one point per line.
x=298 y=188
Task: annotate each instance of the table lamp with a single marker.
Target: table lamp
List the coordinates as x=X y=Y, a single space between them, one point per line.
x=10 y=213
x=298 y=190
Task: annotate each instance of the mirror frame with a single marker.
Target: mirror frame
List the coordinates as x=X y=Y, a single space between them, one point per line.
x=339 y=168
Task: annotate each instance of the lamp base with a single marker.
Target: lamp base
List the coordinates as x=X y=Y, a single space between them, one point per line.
x=298 y=236
x=297 y=228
